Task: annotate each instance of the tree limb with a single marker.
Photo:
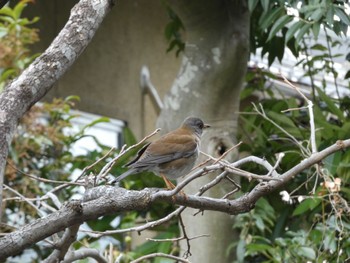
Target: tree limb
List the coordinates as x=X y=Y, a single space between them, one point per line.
x=106 y=200
x=163 y=255
x=84 y=253
x=69 y=236
x=42 y=74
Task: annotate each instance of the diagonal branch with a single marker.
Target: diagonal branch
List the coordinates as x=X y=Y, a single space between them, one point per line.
x=69 y=236
x=84 y=253
x=107 y=200
x=42 y=74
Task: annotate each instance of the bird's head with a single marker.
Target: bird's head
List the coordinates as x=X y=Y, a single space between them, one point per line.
x=195 y=124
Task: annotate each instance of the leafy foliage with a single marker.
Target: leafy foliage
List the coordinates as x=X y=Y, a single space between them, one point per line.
x=314 y=223
x=173 y=31
x=42 y=150
x=15 y=36
x=309 y=222
x=276 y=24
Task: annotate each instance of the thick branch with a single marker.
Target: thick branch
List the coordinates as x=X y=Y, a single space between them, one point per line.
x=106 y=200
x=41 y=75
x=69 y=236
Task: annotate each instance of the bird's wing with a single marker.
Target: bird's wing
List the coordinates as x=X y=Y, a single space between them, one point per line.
x=138 y=155
x=166 y=149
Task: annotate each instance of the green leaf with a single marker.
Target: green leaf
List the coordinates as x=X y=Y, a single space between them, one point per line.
x=241 y=250
x=259 y=223
x=281 y=242
x=307 y=252
x=316 y=29
x=303 y=30
x=330 y=16
x=94 y=122
x=266 y=20
x=285 y=122
x=165 y=247
x=3 y=31
x=8 y=19
x=332 y=162
x=17 y=11
x=72 y=98
x=342 y=15
x=252 y=4
x=309 y=8
x=306 y=205
x=347 y=57
x=317 y=15
x=265 y=4
x=278 y=25
x=255 y=247
x=319 y=47
x=6 y=11
x=347 y=75
x=169 y=30
x=293 y=29
x=330 y=104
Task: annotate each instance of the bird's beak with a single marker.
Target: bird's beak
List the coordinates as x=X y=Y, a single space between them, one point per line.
x=206 y=126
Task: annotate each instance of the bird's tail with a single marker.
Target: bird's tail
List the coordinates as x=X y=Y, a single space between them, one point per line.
x=122 y=176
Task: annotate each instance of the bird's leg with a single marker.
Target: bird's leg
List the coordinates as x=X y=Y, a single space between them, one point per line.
x=171 y=186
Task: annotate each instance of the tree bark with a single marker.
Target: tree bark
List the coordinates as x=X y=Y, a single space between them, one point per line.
x=41 y=75
x=208 y=86
x=107 y=200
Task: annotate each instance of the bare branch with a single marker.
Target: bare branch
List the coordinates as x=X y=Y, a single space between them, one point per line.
x=183 y=227
x=39 y=179
x=41 y=214
x=83 y=253
x=105 y=170
x=39 y=77
x=95 y=163
x=262 y=113
x=69 y=236
x=139 y=229
x=311 y=114
x=154 y=255
x=107 y=200
x=174 y=239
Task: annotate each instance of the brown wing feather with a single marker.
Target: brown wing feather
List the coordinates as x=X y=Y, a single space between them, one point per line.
x=138 y=155
x=166 y=149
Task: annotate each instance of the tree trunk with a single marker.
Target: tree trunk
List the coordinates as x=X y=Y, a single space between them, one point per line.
x=208 y=86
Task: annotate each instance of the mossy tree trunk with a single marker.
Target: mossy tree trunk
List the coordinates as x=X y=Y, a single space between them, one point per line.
x=208 y=86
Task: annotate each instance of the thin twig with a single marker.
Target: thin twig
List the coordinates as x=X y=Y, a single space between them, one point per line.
x=188 y=251
x=232 y=168
x=42 y=179
x=83 y=253
x=262 y=113
x=227 y=152
x=279 y=159
x=176 y=238
x=311 y=115
x=41 y=214
x=105 y=170
x=95 y=163
x=154 y=255
x=238 y=187
x=97 y=234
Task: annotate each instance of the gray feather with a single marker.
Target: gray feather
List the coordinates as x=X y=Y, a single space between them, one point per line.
x=122 y=176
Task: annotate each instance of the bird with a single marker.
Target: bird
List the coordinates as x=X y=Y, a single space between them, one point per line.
x=171 y=156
